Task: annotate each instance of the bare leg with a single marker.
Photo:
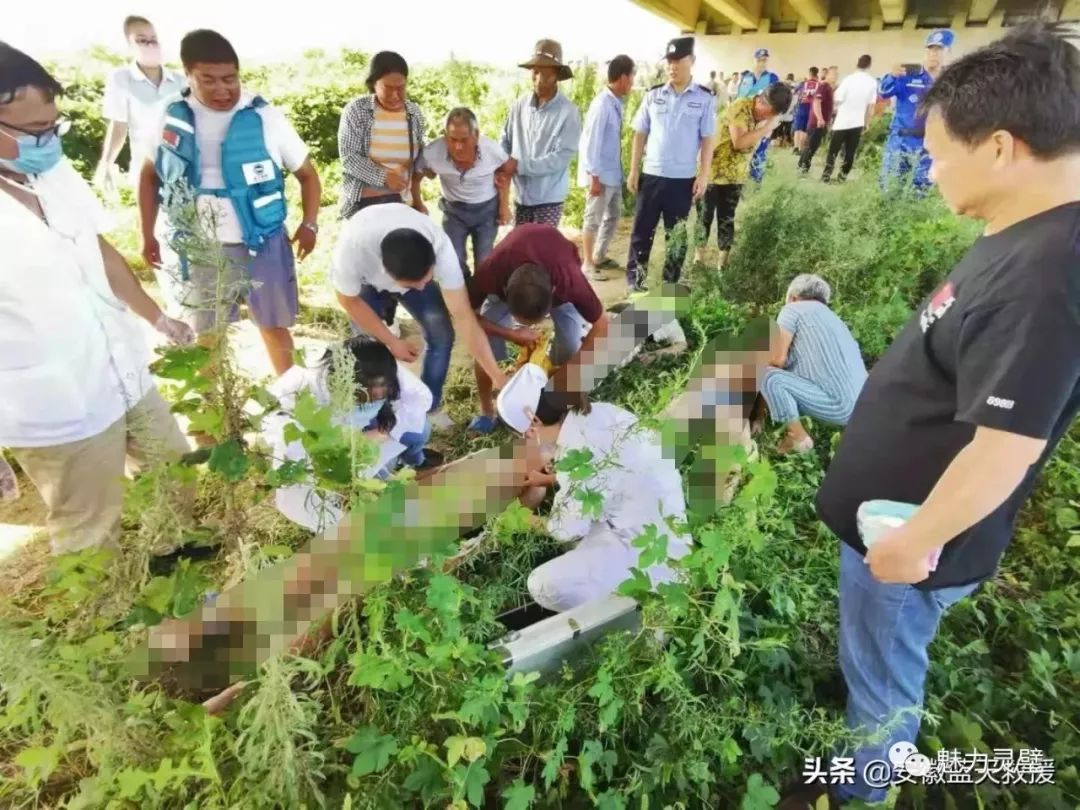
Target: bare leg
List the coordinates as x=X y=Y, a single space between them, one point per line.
x=279 y=345
x=483 y=391
x=588 y=245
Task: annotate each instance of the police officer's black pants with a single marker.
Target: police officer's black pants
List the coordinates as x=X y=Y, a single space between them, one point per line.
x=848 y=140
x=670 y=197
x=816 y=137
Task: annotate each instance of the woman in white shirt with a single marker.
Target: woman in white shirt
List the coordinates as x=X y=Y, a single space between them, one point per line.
x=390 y=407
x=638 y=486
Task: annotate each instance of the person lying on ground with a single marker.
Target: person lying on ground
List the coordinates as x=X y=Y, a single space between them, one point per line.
x=392 y=251
x=77 y=393
x=640 y=491
x=390 y=406
x=815 y=366
x=532 y=275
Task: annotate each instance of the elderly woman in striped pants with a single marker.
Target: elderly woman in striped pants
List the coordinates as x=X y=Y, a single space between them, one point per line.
x=815 y=366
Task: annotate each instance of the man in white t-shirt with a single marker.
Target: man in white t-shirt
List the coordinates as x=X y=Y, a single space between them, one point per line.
x=230 y=148
x=77 y=396
x=855 y=98
x=132 y=103
x=392 y=251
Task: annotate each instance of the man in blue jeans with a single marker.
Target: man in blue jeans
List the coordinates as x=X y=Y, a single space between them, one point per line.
x=392 y=251
x=963 y=410
x=474 y=174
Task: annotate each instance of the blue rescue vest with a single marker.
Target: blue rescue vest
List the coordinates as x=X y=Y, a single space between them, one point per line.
x=253 y=181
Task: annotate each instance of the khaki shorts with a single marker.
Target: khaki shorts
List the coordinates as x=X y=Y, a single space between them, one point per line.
x=82 y=483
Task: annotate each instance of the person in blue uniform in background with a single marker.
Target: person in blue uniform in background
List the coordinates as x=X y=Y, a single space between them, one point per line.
x=673 y=130
x=752 y=83
x=905 y=158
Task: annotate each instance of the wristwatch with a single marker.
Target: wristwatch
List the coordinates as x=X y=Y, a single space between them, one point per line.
x=311 y=226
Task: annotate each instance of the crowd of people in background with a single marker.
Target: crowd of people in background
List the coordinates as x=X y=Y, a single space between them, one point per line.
x=958 y=416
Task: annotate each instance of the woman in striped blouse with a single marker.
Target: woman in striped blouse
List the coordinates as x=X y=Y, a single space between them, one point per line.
x=380 y=137
x=815 y=366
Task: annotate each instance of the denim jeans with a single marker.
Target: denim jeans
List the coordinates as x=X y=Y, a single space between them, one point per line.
x=570 y=329
x=429 y=310
x=885 y=631
x=413 y=455
x=477 y=220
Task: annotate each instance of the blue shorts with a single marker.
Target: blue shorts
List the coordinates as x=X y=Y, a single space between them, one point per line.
x=802 y=118
x=265 y=281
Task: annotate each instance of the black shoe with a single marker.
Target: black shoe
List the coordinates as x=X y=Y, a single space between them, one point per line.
x=608 y=264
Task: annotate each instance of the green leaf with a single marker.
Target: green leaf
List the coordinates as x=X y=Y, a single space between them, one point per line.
x=473 y=778
x=637 y=586
x=759 y=794
x=592 y=502
x=290 y=472
x=180 y=363
x=610 y=800
x=653 y=545
x=229 y=460
x=444 y=594
x=519 y=796
x=1067 y=517
x=468 y=748
x=427 y=779
x=578 y=463
x=378 y=672
x=553 y=762
x=373 y=750
x=38 y=763
x=157 y=595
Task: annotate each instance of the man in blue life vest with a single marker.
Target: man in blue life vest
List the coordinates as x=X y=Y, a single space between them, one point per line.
x=227 y=149
x=752 y=83
x=905 y=158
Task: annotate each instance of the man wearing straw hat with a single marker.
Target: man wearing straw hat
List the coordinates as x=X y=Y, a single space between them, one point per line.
x=541 y=136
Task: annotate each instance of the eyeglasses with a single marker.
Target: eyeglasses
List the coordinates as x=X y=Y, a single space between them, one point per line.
x=43 y=136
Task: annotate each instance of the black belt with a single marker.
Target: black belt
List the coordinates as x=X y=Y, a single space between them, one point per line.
x=911 y=133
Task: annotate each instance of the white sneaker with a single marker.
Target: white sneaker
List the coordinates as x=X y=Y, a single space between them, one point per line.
x=439 y=420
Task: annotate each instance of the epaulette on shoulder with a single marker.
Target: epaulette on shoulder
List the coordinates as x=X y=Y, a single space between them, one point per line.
x=707 y=89
x=657 y=86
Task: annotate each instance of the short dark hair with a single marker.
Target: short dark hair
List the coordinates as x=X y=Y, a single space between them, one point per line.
x=790 y=77
x=553 y=406
x=407 y=255
x=1033 y=76
x=207 y=47
x=621 y=65
x=864 y=62
x=19 y=71
x=813 y=73
x=372 y=363
x=132 y=20
x=778 y=95
x=528 y=292
x=384 y=63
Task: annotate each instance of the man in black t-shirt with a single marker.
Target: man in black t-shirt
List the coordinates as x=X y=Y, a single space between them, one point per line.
x=962 y=411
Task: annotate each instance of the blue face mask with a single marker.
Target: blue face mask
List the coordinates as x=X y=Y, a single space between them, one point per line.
x=34 y=158
x=363 y=415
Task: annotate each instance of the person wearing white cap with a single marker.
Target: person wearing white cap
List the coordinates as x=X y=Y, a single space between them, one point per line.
x=629 y=462
x=905 y=155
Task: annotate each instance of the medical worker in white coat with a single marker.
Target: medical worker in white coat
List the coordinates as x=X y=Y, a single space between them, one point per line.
x=391 y=409
x=638 y=485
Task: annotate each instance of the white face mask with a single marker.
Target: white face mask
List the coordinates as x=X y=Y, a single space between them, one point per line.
x=148 y=55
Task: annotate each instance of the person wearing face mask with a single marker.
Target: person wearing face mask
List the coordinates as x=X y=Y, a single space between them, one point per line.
x=390 y=408
x=541 y=136
x=77 y=393
x=132 y=101
x=230 y=148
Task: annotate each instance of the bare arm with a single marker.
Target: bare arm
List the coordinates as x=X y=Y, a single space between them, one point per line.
x=310 y=191
x=366 y=318
x=637 y=149
x=705 y=155
x=466 y=324
x=113 y=143
x=148 y=199
x=742 y=138
x=125 y=286
x=778 y=354
x=568 y=378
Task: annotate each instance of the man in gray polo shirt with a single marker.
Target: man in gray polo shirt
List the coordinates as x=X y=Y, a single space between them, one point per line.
x=473 y=204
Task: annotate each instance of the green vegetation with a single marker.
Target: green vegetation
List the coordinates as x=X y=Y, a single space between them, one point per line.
x=405 y=706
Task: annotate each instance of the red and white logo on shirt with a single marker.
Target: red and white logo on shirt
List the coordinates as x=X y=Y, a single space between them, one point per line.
x=938 y=306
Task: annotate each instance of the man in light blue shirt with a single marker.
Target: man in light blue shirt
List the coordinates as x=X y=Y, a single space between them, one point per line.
x=541 y=137
x=600 y=166
x=674 y=129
